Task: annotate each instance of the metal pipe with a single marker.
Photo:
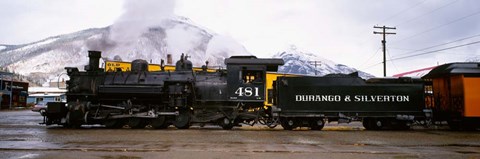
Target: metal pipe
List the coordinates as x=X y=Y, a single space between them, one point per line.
x=11 y=90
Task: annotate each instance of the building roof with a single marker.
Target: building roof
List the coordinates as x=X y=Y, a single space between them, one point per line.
x=45 y=95
x=415 y=73
x=32 y=90
x=5 y=73
x=465 y=68
x=10 y=77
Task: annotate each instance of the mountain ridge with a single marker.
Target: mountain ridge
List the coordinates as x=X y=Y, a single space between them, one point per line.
x=46 y=59
x=307 y=63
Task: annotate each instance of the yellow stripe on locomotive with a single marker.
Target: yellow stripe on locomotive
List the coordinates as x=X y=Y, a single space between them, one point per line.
x=112 y=66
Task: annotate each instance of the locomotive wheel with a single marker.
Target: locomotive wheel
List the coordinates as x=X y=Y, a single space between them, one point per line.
x=317 y=124
x=113 y=123
x=373 y=124
x=159 y=123
x=288 y=123
x=376 y=124
x=226 y=123
x=182 y=120
x=72 y=120
x=136 y=123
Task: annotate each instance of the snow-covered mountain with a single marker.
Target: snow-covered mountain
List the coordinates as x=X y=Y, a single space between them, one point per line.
x=303 y=62
x=47 y=58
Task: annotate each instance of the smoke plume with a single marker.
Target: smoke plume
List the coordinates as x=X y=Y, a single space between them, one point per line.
x=138 y=17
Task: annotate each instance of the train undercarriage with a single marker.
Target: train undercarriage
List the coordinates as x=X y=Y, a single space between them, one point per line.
x=131 y=115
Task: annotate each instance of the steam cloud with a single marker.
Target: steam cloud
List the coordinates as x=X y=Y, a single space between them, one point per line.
x=138 y=16
x=149 y=29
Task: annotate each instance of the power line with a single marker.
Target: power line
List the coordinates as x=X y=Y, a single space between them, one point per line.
x=441 y=44
x=434 y=51
x=428 y=13
x=371 y=66
x=429 y=52
x=401 y=49
x=403 y=11
x=440 y=26
x=371 y=57
x=390 y=56
x=411 y=7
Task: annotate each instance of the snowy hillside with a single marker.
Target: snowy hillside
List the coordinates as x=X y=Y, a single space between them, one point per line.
x=47 y=58
x=303 y=62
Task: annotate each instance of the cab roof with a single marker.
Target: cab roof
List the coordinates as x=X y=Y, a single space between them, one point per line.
x=271 y=63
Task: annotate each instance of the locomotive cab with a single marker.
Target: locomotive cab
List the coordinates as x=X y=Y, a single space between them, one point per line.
x=246 y=78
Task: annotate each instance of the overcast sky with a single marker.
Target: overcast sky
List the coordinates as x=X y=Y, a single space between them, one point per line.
x=339 y=30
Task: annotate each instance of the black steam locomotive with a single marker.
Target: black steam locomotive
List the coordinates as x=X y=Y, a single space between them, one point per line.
x=140 y=97
x=239 y=95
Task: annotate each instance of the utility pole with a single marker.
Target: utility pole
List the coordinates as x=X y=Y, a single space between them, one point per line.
x=384 y=45
x=315 y=63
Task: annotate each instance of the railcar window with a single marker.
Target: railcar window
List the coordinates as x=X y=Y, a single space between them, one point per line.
x=429 y=100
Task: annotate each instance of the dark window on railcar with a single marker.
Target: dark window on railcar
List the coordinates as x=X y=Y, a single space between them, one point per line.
x=271 y=93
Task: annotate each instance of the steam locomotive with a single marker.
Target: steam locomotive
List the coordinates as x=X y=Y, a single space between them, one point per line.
x=239 y=95
x=140 y=97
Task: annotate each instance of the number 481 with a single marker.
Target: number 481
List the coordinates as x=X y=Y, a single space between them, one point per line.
x=247 y=91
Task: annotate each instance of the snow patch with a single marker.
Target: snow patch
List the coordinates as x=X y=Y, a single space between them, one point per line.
x=39 y=44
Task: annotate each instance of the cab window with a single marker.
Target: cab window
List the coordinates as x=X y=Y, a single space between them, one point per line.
x=248 y=76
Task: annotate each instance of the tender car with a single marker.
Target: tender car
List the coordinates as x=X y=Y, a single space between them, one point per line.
x=40 y=107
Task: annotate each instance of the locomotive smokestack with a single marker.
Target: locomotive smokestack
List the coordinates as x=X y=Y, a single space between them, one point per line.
x=93 y=64
x=169 y=59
